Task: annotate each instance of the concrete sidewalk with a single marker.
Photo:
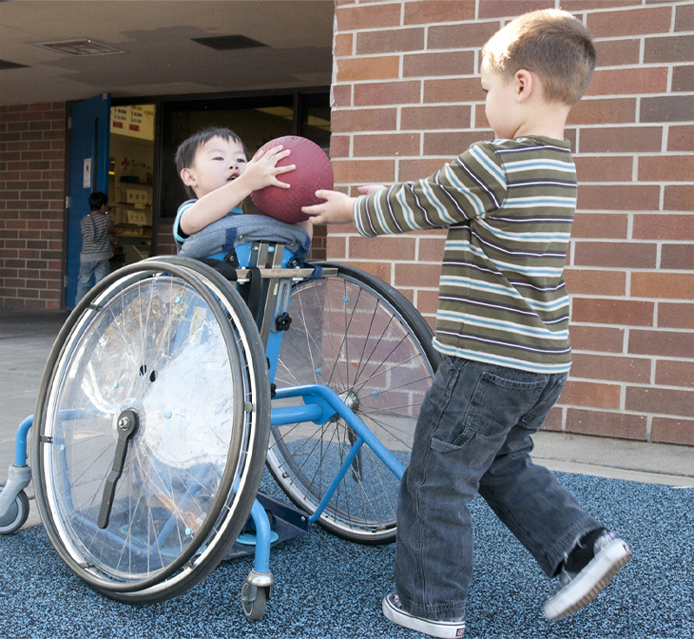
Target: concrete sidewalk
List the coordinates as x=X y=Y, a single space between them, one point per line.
x=26 y=338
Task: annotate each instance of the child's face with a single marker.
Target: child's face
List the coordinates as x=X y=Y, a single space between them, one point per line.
x=216 y=163
x=501 y=105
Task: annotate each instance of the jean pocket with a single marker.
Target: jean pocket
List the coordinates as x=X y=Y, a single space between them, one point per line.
x=499 y=403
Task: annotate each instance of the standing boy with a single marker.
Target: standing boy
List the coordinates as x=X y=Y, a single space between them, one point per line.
x=503 y=323
x=96 y=245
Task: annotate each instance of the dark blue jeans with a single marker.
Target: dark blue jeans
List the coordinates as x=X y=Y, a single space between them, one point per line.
x=474 y=435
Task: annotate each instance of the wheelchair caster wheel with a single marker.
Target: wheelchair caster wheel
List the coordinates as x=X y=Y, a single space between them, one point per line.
x=254 y=600
x=16 y=515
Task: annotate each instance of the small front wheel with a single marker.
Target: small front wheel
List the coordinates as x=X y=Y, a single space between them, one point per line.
x=16 y=515
x=254 y=600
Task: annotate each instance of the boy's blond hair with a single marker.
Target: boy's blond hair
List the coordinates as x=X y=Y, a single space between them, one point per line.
x=551 y=43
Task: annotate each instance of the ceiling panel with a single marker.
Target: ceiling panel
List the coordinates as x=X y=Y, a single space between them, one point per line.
x=160 y=54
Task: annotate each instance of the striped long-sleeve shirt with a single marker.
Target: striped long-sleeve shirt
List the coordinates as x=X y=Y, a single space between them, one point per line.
x=508 y=206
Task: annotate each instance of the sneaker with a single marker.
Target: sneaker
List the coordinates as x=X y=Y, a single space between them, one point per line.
x=392 y=609
x=587 y=570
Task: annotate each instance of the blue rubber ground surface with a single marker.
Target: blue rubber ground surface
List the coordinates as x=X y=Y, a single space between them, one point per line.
x=328 y=588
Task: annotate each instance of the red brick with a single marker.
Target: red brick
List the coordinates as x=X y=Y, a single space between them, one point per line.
x=336 y=248
x=386 y=144
x=611 y=368
x=453 y=90
x=662 y=343
x=679 y=198
x=437 y=64
x=593 y=394
x=666 y=168
x=417 y=169
x=390 y=41
x=671 y=108
x=683 y=78
x=342 y=95
x=610 y=311
x=669 y=227
x=427 y=302
x=660 y=400
x=684 y=17
x=669 y=49
x=461 y=36
x=676 y=315
x=611 y=24
x=603 y=169
x=592 y=282
x=626 y=139
x=672 y=431
x=383 y=93
x=344 y=44
x=629 y=81
x=383 y=248
x=435 y=117
x=606 y=424
x=430 y=11
x=674 y=373
x=366 y=17
x=431 y=249
x=603 y=111
x=616 y=255
x=450 y=143
x=339 y=146
x=371 y=68
x=508 y=8
x=631 y=197
x=677 y=257
x=600 y=225
x=380 y=270
x=364 y=171
x=663 y=285
x=416 y=275
x=612 y=53
x=574 y=6
x=355 y=120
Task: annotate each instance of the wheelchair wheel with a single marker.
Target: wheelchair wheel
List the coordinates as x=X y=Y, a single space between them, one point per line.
x=151 y=429
x=364 y=340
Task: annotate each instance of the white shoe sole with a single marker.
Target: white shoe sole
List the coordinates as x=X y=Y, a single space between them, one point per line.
x=589 y=582
x=440 y=629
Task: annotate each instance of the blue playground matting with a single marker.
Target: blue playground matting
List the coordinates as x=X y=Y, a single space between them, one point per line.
x=328 y=588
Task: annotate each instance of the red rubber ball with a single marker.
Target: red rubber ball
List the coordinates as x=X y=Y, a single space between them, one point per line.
x=313 y=171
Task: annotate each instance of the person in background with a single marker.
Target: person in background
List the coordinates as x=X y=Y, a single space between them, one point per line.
x=96 y=245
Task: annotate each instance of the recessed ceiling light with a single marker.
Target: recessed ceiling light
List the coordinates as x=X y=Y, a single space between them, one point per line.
x=82 y=46
x=229 y=42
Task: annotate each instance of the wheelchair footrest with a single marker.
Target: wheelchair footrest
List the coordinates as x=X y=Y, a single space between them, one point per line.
x=286 y=522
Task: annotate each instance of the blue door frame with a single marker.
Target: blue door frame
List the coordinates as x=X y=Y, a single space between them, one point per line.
x=89 y=162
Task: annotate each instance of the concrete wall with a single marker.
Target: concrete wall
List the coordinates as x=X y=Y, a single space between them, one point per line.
x=407 y=99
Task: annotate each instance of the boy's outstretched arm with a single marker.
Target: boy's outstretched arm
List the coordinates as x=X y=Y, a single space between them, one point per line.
x=338 y=207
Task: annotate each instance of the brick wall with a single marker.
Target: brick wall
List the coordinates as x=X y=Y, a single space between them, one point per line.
x=407 y=98
x=32 y=172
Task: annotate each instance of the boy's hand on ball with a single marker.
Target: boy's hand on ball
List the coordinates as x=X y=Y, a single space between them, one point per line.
x=262 y=170
x=337 y=208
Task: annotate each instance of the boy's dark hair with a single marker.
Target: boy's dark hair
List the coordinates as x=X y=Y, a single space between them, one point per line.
x=97 y=200
x=549 y=42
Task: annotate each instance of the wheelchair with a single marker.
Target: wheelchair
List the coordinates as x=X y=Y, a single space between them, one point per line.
x=172 y=385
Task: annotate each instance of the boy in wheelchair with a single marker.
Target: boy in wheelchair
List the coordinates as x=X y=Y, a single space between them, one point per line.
x=213 y=165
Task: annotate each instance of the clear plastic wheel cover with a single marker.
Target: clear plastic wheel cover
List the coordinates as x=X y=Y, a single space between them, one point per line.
x=150 y=349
